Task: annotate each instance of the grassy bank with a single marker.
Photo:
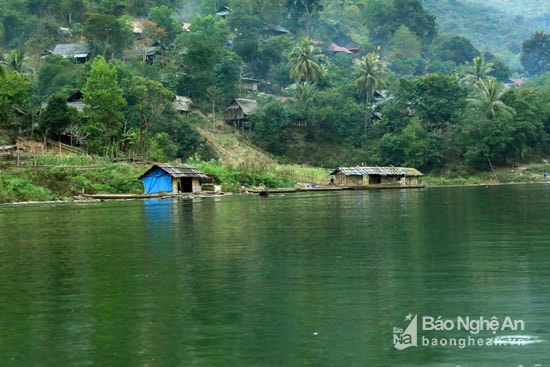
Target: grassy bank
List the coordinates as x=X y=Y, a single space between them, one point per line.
x=256 y=174
x=528 y=174
x=41 y=183
x=76 y=175
x=73 y=176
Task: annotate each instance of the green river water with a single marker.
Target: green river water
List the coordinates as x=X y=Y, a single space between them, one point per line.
x=308 y=279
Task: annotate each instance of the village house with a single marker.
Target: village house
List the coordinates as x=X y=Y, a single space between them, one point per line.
x=365 y=176
x=146 y=54
x=338 y=49
x=173 y=179
x=74 y=100
x=137 y=27
x=223 y=11
x=80 y=52
x=514 y=82
x=275 y=30
x=238 y=110
x=249 y=85
x=182 y=104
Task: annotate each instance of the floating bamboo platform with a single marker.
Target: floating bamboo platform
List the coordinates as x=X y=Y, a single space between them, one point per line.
x=329 y=188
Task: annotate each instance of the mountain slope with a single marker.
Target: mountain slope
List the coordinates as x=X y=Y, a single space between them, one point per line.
x=490 y=25
x=526 y=8
x=235 y=151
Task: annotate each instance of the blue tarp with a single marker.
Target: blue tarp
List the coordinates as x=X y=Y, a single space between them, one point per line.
x=156 y=181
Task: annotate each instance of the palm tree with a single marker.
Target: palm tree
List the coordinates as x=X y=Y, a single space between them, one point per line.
x=479 y=69
x=16 y=61
x=370 y=75
x=488 y=95
x=304 y=96
x=304 y=62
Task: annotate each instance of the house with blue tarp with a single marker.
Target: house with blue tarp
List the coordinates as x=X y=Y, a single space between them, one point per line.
x=173 y=179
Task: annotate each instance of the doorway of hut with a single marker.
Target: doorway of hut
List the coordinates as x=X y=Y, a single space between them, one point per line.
x=375 y=179
x=185 y=184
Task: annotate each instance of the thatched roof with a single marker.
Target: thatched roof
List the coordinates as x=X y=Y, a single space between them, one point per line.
x=335 y=48
x=212 y=178
x=247 y=105
x=178 y=171
x=381 y=171
x=182 y=103
x=276 y=29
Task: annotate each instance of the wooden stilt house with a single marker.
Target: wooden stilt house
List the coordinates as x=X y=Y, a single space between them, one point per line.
x=237 y=111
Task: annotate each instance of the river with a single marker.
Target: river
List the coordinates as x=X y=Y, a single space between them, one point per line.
x=432 y=277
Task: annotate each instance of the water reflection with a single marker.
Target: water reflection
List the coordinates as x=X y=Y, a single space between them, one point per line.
x=288 y=280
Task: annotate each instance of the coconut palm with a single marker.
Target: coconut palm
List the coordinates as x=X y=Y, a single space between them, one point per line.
x=304 y=62
x=304 y=96
x=370 y=74
x=488 y=96
x=16 y=61
x=479 y=69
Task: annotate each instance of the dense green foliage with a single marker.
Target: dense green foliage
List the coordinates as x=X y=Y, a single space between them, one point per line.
x=340 y=82
x=59 y=183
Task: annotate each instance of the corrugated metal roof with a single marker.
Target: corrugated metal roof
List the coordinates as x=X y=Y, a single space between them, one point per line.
x=71 y=49
x=411 y=171
x=8 y=147
x=382 y=171
x=178 y=171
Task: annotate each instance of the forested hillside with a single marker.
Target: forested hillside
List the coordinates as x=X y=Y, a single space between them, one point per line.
x=527 y=8
x=323 y=82
x=499 y=26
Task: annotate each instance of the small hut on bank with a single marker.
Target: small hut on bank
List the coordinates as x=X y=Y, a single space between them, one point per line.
x=173 y=179
x=367 y=176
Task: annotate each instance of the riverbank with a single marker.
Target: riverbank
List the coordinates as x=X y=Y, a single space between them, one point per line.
x=528 y=173
x=63 y=183
x=58 y=183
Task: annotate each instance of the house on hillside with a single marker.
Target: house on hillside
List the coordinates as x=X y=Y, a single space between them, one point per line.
x=173 y=179
x=514 y=82
x=366 y=176
x=75 y=100
x=137 y=28
x=275 y=30
x=146 y=54
x=182 y=104
x=238 y=110
x=223 y=11
x=80 y=52
x=338 y=49
x=249 y=84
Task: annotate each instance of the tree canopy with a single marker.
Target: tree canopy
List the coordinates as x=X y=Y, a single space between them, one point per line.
x=376 y=81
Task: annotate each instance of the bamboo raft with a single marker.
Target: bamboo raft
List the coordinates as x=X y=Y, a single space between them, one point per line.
x=265 y=192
